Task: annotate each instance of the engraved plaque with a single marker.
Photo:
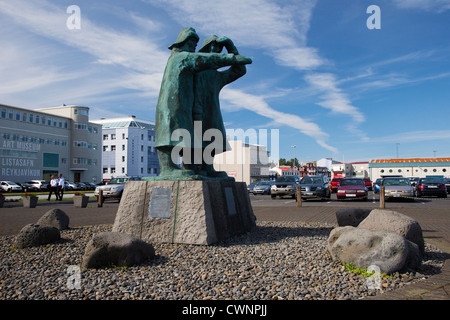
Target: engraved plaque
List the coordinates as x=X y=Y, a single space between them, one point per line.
x=160 y=201
x=229 y=196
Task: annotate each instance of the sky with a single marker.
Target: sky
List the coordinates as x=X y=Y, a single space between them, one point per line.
x=335 y=78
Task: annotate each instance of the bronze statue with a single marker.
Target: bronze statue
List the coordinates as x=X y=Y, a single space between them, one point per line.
x=183 y=94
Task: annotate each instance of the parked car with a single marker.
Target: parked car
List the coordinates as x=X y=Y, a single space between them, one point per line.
x=26 y=187
x=447 y=184
x=368 y=183
x=71 y=186
x=114 y=188
x=315 y=187
x=352 y=188
x=9 y=186
x=81 y=186
x=89 y=185
x=376 y=185
x=431 y=187
x=396 y=187
x=334 y=185
x=251 y=186
x=262 y=187
x=67 y=186
x=42 y=185
x=285 y=186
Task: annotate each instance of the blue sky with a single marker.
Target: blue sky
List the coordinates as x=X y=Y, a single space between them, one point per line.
x=329 y=84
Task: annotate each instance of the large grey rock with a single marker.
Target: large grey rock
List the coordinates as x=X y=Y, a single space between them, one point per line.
x=363 y=247
x=34 y=235
x=401 y=224
x=114 y=249
x=190 y=212
x=55 y=218
x=351 y=216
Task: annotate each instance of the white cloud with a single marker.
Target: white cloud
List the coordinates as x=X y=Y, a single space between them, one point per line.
x=428 y=5
x=94 y=66
x=259 y=106
x=279 y=29
x=333 y=98
x=414 y=136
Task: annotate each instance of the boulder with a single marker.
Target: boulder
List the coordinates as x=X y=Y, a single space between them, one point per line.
x=55 y=218
x=351 y=216
x=34 y=235
x=363 y=248
x=115 y=249
x=396 y=222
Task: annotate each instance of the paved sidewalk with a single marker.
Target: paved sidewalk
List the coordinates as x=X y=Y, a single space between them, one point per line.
x=435 y=224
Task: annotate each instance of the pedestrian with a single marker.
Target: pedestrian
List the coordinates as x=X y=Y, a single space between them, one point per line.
x=53 y=187
x=60 y=186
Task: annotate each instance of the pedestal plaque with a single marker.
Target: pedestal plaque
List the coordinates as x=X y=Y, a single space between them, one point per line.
x=160 y=202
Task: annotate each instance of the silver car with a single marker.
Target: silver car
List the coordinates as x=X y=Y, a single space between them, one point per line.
x=397 y=188
x=114 y=188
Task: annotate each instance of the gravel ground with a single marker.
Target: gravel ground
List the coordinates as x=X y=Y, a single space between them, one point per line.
x=278 y=260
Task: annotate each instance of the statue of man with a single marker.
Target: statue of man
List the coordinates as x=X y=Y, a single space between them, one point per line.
x=174 y=110
x=208 y=85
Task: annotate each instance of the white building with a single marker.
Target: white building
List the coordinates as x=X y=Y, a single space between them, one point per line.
x=128 y=146
x=35 y=144
x=414 y=167
x=245 y=162
x=352 y=169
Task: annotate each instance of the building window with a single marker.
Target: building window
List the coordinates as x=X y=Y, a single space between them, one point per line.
x=123 y=147
x=38 y=120
x=95 y=130
x=113 y=148
x=105 y=137
x=113 y=136
x=18 y=115
x=11 y=115
x=105 y=170
x=113 y=170
x=123 y=158
x=123 y=135
x=105 y=148
x=123 y=170
x=31 y=118
x=50 y=160
x=4 y=113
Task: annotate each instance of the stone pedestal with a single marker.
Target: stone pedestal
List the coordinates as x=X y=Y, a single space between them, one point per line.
x=190 y=212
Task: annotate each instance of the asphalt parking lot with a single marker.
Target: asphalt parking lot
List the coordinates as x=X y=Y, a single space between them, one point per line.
x=372 y=201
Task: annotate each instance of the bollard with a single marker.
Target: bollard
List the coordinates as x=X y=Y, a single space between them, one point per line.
x=100 y=198
x=382 y=197
x=299 y=197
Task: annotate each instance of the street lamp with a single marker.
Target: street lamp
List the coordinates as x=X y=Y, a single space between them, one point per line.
x=293 y=160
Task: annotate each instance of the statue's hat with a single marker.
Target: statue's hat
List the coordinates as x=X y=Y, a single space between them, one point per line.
x=184 y=34
x=206 y=43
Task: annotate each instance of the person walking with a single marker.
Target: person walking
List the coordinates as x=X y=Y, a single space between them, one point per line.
x=53 y=187
x=60 y=186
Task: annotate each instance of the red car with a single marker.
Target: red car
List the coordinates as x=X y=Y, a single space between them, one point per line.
x=334 y=185
x=352 y=188
x=368 y=183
